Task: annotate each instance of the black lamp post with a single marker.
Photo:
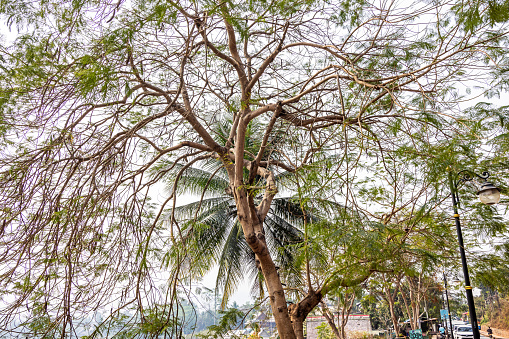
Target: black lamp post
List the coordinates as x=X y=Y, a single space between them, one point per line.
x=489 y=195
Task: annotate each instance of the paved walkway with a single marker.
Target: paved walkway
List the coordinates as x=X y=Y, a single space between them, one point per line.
x=485 y=334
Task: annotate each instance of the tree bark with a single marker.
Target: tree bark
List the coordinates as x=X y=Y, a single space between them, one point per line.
x=251 y=218
x=256 y=240
x=299 y=311
x=298 y=327
x=390 y=299
x=330 y=320
x=393 y=315
x=344 y=320
x=276 y=296
x=407 y=307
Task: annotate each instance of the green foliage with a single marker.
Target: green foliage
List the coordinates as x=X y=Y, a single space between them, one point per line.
x=324 y=331
x=492 y=270
x=474 y=13
x=103 y=102
x=379 y=314
x=227 y=322
x=156 y=321
x=350 y=12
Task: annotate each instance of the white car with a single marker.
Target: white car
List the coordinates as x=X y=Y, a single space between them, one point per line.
x=456 y=324
x=464 y=332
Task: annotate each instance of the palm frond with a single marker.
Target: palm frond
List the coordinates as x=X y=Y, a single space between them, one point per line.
x=232 y=263
x=257 y=287
x=195 y=180
x=287 y=209
x=209 y=235
x=207 y=207
x=280 y=235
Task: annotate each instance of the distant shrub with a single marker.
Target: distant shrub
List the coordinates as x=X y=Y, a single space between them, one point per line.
x=359 y=335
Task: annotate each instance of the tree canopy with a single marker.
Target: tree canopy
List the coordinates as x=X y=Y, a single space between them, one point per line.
x=102 y=101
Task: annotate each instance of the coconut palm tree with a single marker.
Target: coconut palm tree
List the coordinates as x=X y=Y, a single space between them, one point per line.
x=213 y=236
x=210 y=227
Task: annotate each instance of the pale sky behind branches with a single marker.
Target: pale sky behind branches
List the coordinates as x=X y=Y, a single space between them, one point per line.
x=242 y=295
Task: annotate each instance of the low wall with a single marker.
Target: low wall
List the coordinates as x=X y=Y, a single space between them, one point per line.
x=356 y=322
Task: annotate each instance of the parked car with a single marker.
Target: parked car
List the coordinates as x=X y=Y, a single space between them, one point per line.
x=464 y=332
x=456 y=324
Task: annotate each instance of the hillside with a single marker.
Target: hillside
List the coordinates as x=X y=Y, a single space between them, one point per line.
x=500 y=318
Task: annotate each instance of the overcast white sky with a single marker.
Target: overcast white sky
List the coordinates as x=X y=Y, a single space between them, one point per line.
x=243 y=294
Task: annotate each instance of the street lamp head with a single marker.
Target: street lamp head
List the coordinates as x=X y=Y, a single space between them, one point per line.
x=489 y=193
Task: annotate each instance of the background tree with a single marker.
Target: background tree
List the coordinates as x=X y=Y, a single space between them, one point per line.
x=344 y=301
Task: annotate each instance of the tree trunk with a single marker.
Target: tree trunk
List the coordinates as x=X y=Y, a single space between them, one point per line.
x=255 y=238
x=298 y=328
x=393 y=316
x=274 y=286
x=332 y=325
x=407 y=308
x=345 y=312
x=413 y=304
x=276 y=297
x=299 y=311
x=251 y=218
x=389 y=298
